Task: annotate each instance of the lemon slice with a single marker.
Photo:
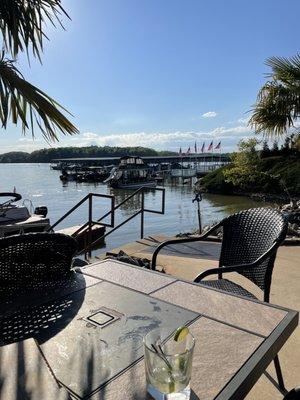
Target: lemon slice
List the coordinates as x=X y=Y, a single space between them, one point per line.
x=181 y=333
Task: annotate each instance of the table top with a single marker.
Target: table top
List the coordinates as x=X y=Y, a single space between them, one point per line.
x=84 y=340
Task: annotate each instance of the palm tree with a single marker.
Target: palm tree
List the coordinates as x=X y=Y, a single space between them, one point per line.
x=22 y=28
x=278 y=102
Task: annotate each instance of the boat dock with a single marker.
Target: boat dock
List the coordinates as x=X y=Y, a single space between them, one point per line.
x=104 y=161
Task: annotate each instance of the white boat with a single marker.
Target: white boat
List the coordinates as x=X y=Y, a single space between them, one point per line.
x=17 y=219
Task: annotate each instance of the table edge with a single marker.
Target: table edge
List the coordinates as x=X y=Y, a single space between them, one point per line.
x=243 y=381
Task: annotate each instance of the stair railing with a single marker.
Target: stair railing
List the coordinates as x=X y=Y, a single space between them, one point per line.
x=88 y=226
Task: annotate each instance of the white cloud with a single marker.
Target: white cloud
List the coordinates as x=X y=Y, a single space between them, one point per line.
x=89 y=135
x=209 y=114
x=243 y=121
x=157 y=140
x=161 y=140
x=29 y=140
x=235 y=131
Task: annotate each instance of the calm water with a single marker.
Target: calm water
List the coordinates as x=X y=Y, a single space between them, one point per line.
x=43 y=187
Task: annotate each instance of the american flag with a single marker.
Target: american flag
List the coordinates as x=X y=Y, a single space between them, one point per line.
x=203 y=147
x=218 y=146
x=211 y=146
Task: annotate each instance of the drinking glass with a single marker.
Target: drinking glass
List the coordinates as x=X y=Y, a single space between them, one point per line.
x=168 y=371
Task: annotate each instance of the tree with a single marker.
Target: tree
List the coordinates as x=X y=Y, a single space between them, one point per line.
x=244 y=172
x=265 y=149
x=278 y=102
x=275 y=147
x=22 y=26
x=287 y=144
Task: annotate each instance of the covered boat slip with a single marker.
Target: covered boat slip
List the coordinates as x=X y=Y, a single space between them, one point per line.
x=132 y=173
x=85 y=340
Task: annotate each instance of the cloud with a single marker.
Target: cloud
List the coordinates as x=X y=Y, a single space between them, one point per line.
x=155 y=139
x=235 y=131
x=229 y=136
x=162 y=140
x=243 y=121
x=29 y=140
x=209 y=114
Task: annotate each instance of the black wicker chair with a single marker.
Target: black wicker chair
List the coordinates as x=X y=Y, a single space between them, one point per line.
x=249 y=246
x=294 y=394
x=29 y=258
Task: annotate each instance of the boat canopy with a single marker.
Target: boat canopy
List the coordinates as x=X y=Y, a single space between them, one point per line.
x=132 y=162
x=129 y=160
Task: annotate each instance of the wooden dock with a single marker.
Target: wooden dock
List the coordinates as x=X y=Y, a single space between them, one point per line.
x=83 y=236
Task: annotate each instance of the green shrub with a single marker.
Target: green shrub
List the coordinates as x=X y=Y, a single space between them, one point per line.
x=214 y=182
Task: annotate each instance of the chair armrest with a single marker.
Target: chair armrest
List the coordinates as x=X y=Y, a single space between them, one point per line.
x=181 y=240
x=239 y=267
x=218 y=270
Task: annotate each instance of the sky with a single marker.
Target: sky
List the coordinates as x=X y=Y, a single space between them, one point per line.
x=159 y=73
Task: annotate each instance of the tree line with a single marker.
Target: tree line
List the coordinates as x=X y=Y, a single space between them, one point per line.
x=46 y=155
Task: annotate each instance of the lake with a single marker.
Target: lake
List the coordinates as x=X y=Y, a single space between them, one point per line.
x=41 y=185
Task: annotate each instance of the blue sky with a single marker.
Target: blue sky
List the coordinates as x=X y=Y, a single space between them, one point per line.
x=159 y=73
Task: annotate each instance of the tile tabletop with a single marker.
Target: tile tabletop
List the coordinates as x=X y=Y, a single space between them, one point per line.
x=84 y=339
x=126 y=275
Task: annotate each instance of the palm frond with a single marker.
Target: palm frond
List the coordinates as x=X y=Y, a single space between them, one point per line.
x=285 y=69
x=22 y=23
x=276 y=110
x=21 y=101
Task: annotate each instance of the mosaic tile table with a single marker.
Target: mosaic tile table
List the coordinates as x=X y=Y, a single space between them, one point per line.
x=84 y=341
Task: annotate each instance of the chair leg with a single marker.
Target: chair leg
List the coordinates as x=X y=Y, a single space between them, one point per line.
x=279 y=374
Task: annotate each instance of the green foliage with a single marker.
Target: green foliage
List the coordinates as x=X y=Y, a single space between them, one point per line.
x=278 y=101
x=14 y=157
x=243 y=172
x=25 y=102
x=215 y=181
x=275 y=146
x=22 y=27
x=22 y=22
x=249 y=173
x=46 y=155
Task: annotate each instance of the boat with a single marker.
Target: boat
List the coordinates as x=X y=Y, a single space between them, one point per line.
x=85 y=174
x=131 y=173
x=17 y=219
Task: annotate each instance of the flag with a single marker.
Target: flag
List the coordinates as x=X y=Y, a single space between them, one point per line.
x=203 y=147
x=180 y=152
x=188 y=151
x=195 y=147
x=211 y=146
x=218 y=146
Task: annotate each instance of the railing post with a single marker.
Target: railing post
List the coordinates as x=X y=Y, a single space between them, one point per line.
x=142 y=215
x=90 y=225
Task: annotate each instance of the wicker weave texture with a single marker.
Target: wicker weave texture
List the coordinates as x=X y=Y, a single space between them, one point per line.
x=247 y=235
x=35 y=256
x=228 y=286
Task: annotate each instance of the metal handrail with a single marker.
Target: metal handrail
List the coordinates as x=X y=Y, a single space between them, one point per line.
x=141 y=211
x=90 y=223
x=87 y=197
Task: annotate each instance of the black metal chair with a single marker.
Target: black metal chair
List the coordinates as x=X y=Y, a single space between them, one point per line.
x=29 y=258
x=294 y=394
x=249 y=246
